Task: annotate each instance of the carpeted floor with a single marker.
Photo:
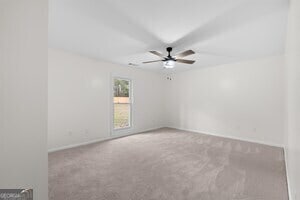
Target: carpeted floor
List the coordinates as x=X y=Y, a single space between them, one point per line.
x=168 y=164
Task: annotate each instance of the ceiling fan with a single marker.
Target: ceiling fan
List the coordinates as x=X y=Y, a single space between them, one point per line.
x=169 y=61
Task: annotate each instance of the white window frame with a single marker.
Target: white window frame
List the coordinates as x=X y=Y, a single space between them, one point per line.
x=125 y=130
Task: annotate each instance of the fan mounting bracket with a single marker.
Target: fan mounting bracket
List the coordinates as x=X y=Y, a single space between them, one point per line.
x=169 y=49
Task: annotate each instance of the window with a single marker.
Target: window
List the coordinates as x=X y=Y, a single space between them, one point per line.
x=122 y=103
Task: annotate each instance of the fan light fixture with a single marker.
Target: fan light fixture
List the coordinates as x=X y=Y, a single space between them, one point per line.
x=169 y=64
x=169 y=61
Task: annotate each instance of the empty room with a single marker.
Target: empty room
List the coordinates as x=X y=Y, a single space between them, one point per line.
x=149 y=100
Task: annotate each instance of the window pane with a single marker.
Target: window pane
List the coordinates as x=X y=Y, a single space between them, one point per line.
x=121 y=103
x=121 y=88
x=122 y=113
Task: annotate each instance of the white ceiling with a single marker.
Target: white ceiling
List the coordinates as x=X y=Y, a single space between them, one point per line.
x=219 y=31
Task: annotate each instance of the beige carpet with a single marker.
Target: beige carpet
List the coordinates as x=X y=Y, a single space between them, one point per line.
x=168 y=164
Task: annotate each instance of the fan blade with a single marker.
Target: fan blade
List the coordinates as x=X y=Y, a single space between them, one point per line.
x=185 y=61
x=185 y=53
x=152 y=61
x=157 y=53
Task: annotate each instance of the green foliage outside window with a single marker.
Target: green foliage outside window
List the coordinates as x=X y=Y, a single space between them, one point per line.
x=121 y=88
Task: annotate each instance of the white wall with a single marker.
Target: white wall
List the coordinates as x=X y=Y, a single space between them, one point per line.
x=80 y=98
x=292 y=139
x=242 y=100
x=23 y=95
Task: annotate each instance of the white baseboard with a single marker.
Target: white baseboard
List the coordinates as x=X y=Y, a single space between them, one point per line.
x=229 y=137
x=77 y=144
x=110 y=137
x=183 y=129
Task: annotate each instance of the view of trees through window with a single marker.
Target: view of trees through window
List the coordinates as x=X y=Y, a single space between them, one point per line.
x=121 y=103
